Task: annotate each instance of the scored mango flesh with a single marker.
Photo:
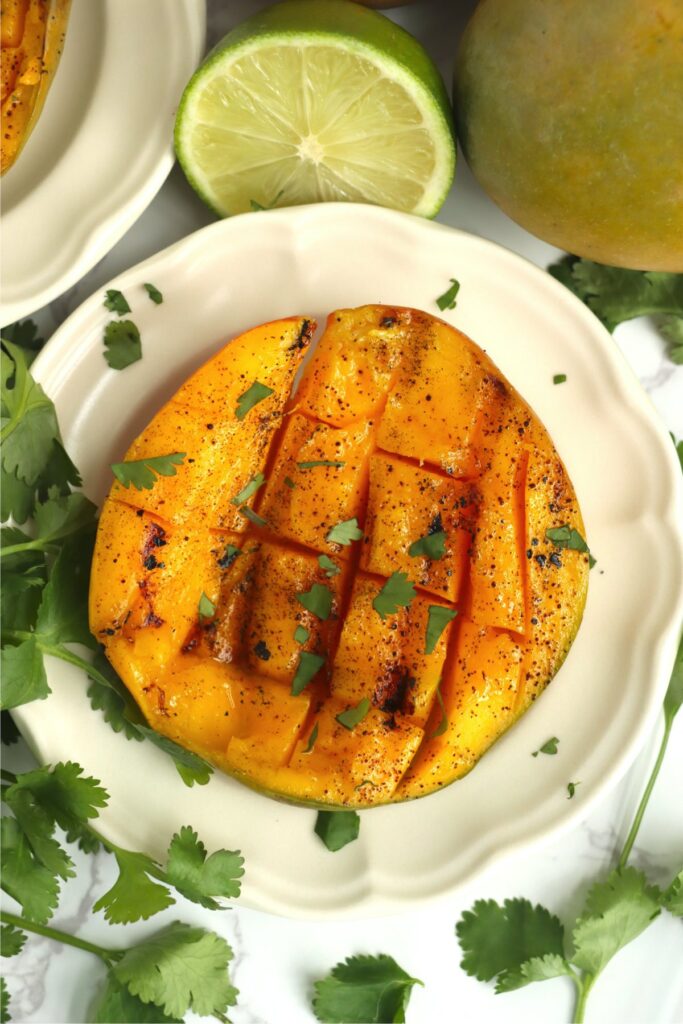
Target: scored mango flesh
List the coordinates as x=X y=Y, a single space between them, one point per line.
x=402 y=427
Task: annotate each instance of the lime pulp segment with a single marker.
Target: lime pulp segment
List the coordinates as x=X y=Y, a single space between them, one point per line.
x=283 y=121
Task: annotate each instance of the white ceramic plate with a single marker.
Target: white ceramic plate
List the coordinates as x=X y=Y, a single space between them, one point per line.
x=256 y=267
x=103 y=145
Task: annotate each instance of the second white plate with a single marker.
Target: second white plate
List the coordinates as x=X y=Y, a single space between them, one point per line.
x=103 y=145
x=257 y=267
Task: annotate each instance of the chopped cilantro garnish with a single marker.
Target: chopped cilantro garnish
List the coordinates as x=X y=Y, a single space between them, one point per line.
x=443 y=724
x=122 y=344
x=344 y=533
x=142 y=473
x=337 y=829
x=154 y=294
x=251 y=397
x=331 y=568
x=432 y=545
x=311 y=739
x=559 y=378
x=309 y=665
x=397 y=592
x=249 y=489
x=567 y=537
x=116 y=301
x=354 y=716
x=437 y=619
x=320 y=462
x=549 y=747
x=289 y=483
x=301 y=634
x=317 y=600
x=448 y=299
x=206 y=607
x=252 y=516
x=571 y=789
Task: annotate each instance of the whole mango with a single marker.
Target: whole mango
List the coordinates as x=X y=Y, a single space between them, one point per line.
x=570 y=113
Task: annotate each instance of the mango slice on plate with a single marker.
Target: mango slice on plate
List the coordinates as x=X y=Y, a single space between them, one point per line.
x=347 y=592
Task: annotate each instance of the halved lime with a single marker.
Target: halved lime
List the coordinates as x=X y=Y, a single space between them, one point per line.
x=317 y=100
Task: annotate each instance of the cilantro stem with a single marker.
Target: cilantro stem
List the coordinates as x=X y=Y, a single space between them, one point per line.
x=30 y=545
x=584 y=984
x=631 y=838
x=109 y=956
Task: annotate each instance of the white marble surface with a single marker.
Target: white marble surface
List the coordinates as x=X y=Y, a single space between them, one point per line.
x=276 y=960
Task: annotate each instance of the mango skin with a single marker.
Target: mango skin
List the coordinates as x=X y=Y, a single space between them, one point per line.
x=570 y=116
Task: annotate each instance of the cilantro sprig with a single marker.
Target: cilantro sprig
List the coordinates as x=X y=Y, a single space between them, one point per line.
x=518 y=943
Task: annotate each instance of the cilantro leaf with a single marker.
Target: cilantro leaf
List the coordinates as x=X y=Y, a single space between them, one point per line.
x=24 y=333
x=672 y=898
x=432 y=545
x=337 y=828
x=317 y=600
x=191 y=767
x=5 y=1015
x=122 y=344
x=549 y=747
x=496 y=941
x=109 y=695
x=254 y=394
x=559 y=378
x=616 y=912
x=571 y=789
x=63 y=612
x=154 y=293
x=229 y=556
x=116 y=302
x=289 y=483
x=397 y=592
x=443 y=724
x=249 y=489
x=23 y=675
x=671 y=327
x=200 y=878
x=311 y=739
x=331 y=568
x=11 y=940
x=321 y=462
x=23 y=877
x=538 y=968
x=615 y=294
x=567 y=537
x=206 y=608
x=438 y=618
x=301 y=634
x=344 y=533
x=38 y=827
x=133 y=896
x=180 y=969
x=364 y=990
x=116 y=1005
x=309 y=665
x=354 y=716
x=449 y=298
x=9 y=733
x=142 y=473
x=70 y=797
x=28 y=424
x=252 y=516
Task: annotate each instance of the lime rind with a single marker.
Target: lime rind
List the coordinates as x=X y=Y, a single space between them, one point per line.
x=424 y=88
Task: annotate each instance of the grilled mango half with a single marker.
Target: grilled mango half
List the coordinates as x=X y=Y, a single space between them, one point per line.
x=32 y=36
x=344 y=595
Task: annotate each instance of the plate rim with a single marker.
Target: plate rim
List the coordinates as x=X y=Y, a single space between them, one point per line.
x=109 y=227
x=663 y=647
